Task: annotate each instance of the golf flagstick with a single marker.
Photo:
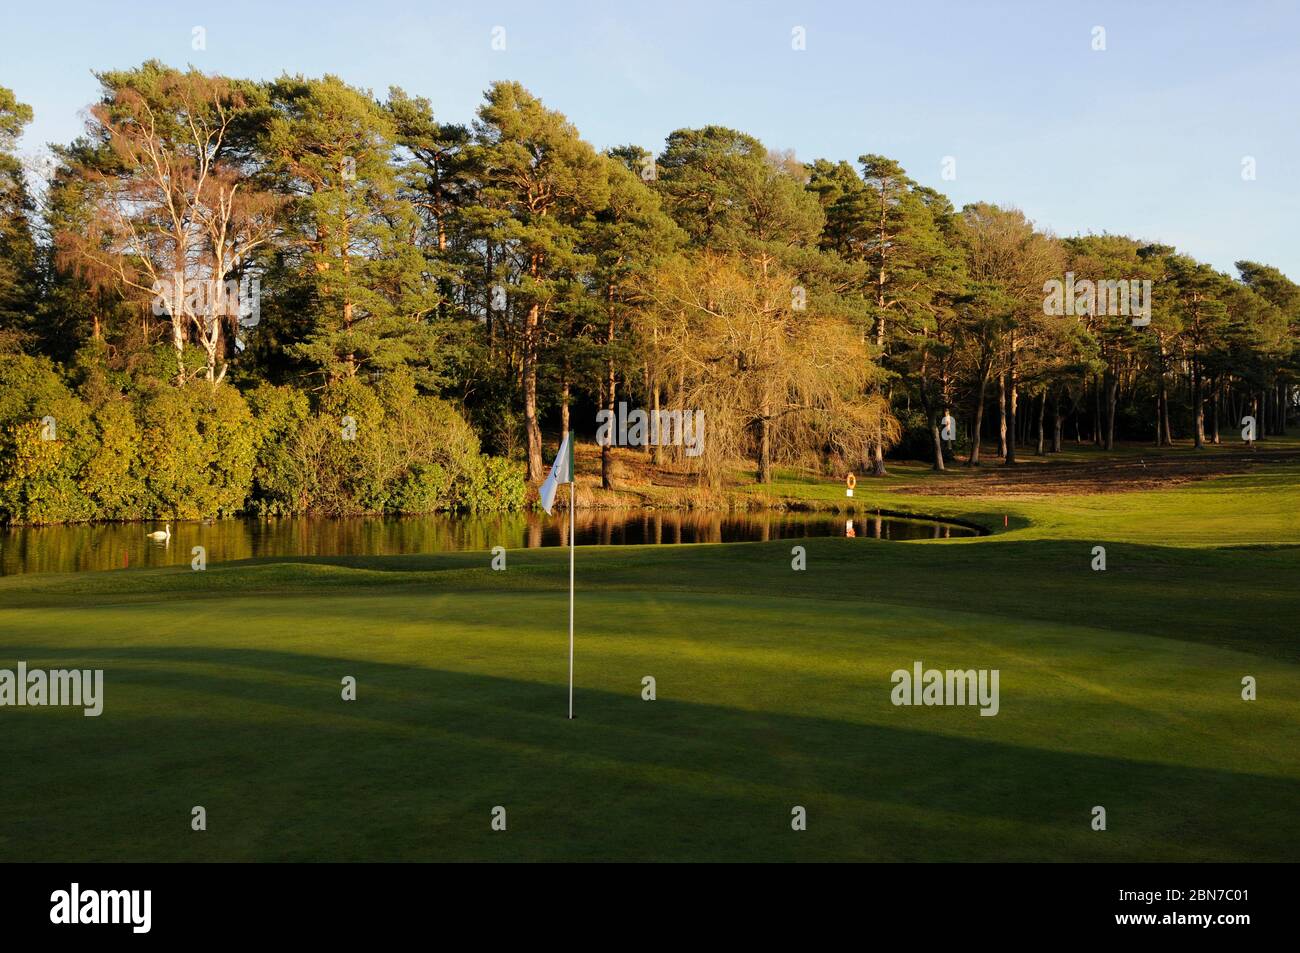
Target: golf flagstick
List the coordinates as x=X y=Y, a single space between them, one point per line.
x=562 y=471
x=573 y=505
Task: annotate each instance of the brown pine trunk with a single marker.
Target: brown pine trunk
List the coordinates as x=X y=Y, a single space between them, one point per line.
x=657 y=451
x=1162 y=402
x=487 y=311
x=1002 y=416
x=878 y=459
x=1096 y=411
x=977 y=430
x=564 y=399
x=1164 y=410
x=878 y=448
x=351 y=359
x=606 y=451
x=1011 y=406
x=1198 y=405
x=1159 y=417
x=1216 y=398
x=932 y=412
x=1042 y=413
x=1058 y=426
x=536 y=471
x=938 y=442
x=1112 y=391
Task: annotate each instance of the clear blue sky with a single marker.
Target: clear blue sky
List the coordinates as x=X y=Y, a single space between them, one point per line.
x=1145 y=138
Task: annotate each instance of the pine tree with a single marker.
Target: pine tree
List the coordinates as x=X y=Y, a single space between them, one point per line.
x=350 y=276
x=17 y=245
x=632 y=235
x=541 y=186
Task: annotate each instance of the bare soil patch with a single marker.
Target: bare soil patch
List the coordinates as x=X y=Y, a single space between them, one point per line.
x=1115 y=475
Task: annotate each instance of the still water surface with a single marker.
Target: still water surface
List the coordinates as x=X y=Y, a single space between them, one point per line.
x=116 y=545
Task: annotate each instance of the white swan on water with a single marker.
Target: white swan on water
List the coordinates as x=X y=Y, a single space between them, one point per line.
x=163 y=534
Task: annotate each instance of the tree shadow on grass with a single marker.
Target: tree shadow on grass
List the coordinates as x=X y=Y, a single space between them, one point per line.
x=289 y=771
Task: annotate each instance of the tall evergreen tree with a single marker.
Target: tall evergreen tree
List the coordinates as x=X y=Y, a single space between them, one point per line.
x=632 y=236
x=895 y=234
x=17 y=245
x=349 y=275
x=542 y=184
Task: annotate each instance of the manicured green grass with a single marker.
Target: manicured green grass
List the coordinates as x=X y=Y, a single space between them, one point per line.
x=1258 y=507
x=1119 y=689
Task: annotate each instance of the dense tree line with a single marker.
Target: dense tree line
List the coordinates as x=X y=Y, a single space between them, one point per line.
x=221 y=270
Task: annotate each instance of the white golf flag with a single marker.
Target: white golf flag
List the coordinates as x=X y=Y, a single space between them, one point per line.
x=561 y=472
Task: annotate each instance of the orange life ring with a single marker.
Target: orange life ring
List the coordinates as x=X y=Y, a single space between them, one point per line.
x=852 y=481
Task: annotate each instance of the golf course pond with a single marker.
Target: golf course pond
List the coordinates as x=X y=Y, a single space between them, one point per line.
x=93 y=546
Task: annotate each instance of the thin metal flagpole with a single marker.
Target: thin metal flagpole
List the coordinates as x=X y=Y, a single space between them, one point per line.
x=573 y=505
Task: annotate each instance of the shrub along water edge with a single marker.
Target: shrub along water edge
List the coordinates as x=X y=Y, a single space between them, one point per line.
x=116 y=451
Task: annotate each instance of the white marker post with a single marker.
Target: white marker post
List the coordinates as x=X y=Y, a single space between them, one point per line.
x=573 y=506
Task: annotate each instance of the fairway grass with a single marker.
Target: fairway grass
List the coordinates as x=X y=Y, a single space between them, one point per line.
x=1120 y=689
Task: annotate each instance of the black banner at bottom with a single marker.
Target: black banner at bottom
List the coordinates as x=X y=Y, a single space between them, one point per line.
x=125 y=903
